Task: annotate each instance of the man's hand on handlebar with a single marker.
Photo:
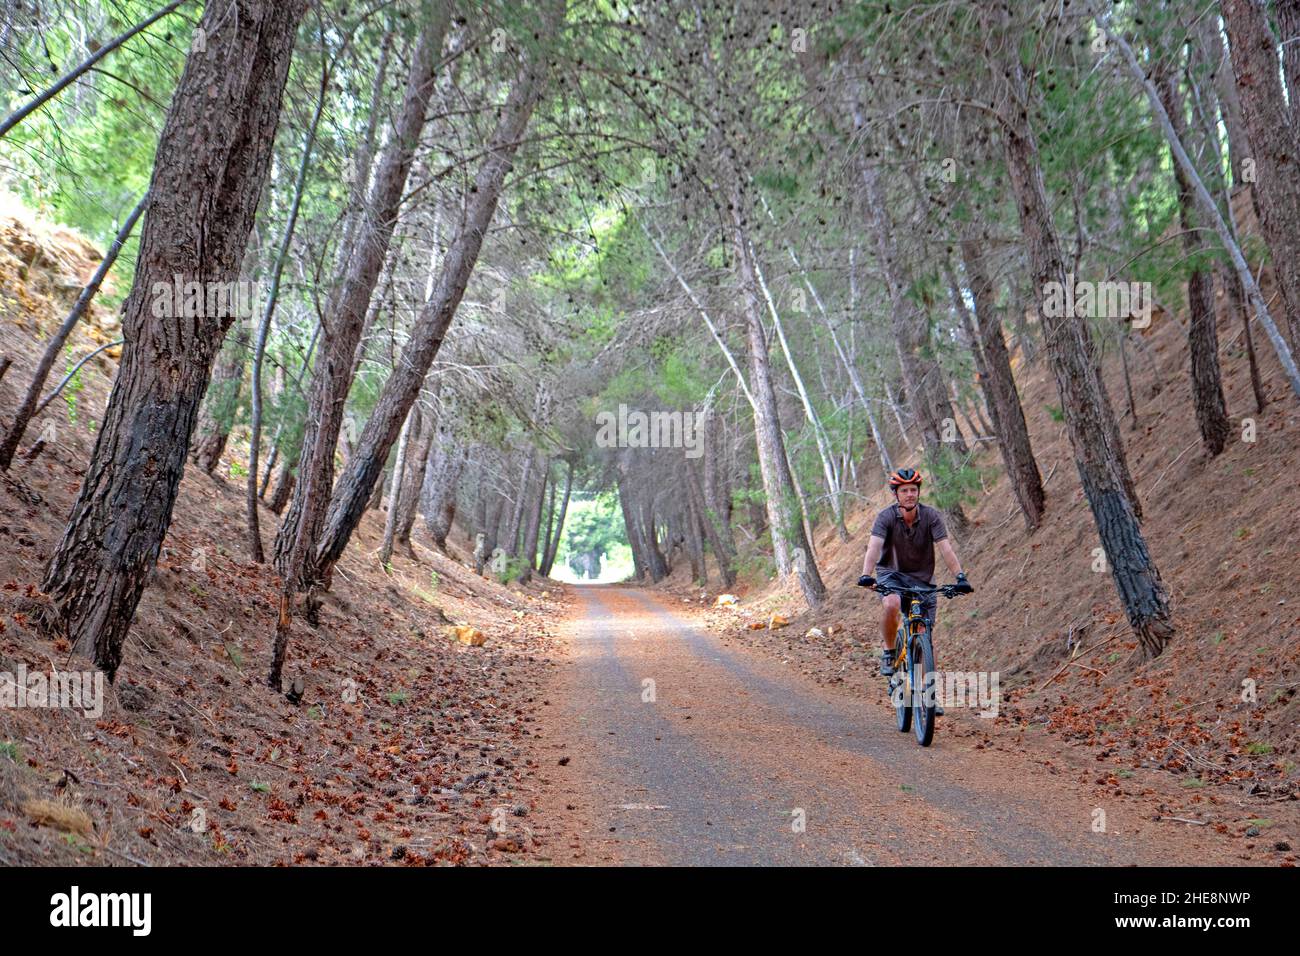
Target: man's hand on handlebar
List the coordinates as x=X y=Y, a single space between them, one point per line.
x=866 y=581
x=963 y=586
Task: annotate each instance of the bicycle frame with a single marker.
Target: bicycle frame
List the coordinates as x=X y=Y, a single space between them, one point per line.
x=916 y=651
x=912 y=624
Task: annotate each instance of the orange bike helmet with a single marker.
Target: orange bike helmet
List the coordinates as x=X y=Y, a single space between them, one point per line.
x=905 y=476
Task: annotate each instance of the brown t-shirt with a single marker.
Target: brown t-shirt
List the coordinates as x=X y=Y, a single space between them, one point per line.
x=910 y=550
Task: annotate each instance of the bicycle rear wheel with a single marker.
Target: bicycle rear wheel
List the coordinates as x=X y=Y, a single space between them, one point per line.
x=924 y=691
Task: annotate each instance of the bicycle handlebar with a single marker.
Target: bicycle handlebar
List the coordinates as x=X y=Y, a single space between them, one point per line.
x=947 y=590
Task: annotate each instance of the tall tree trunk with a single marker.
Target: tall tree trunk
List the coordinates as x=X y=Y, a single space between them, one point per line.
x=911 y=332
x=724 y=554
x=531 y=531
x=1214 y=104
x=221 y=401
x=1202 y=331
x=657 y=563
x=433 y=320
x=363 y=160
x=548 y=525
x=347 y=310
x=264 y=330
x=632 y=524
x=693 y=532
x=790 y=544
x=1000 y=386
x=1217 y=218
x=810 y=412
x=441 y=478
x=716 y=494
x=1090 y=421
x=1288 y=23
x=211 y=166
x=284 y=483
x=413 y=483
x=27 y=408
x=511 y=543
x=395 y=495
x=482 y=555
x=1225 y=88
x=1275 y=148
x=553 y=544
x=1237 y=306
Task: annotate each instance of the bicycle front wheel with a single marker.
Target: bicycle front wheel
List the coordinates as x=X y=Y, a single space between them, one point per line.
x=900 y=693
x=924 y=691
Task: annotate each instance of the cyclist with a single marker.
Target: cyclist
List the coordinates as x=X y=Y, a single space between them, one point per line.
x=903 y=541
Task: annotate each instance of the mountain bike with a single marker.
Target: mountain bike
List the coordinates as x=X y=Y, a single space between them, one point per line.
x=912 y=687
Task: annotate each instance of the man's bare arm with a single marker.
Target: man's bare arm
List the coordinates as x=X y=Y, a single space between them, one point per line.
x=874 y=547
x=949 y=556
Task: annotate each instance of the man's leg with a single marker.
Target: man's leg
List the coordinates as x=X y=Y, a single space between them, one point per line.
x=888 y=630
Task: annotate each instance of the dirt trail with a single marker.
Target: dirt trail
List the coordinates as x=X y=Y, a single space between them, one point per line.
x=678 y=750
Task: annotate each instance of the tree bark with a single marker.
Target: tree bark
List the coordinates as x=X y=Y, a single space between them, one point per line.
x=911 y=331
x=810 y=412
x=1288 y=23
x=221 y=401
x=348 y=307
x=264 y=329
x=553 y=544
x=395 y=495
x=1275 y=148
x=724 y=555
x=632 y=524
x=1000 y=386
x=790 y=544
x=413 y=484
x=283 y=488
x=447 y=459
x=658 y=566
x=433 y=320
x=496 y=505
x=693 y=532
x=511 y=542
x=1090 y=421
x=1225 y=87
x=211 y=166
x=1202 y=331
x=532 y=530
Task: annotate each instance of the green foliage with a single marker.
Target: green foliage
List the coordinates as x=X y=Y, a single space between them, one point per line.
x=509 y=569
x=756 y=565
x=954 y=482
x=591 y=525
x=73 y=389
x=85 y=158
x=223 y=402
x=779 y=182
x=681 y=384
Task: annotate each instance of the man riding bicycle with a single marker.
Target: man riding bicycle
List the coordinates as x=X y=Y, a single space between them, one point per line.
x=903 y=541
